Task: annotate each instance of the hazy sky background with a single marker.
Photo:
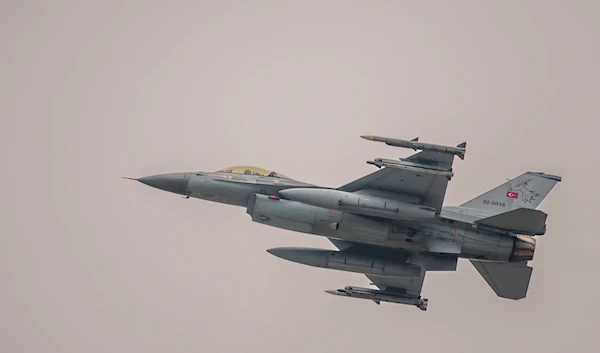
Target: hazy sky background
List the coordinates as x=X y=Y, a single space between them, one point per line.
x=91 y=91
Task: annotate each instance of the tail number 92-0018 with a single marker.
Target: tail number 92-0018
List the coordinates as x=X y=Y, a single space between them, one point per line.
x=494 y=203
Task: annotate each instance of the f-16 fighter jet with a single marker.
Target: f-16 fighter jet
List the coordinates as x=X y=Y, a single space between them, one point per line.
x=390 y=225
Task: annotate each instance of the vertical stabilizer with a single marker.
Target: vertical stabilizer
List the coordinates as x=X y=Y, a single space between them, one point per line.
x=525 y=191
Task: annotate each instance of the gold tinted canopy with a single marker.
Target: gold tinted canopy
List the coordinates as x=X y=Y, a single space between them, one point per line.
x=249 y=170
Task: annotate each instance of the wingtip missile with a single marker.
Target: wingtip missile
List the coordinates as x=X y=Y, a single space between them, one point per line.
x=414 y=144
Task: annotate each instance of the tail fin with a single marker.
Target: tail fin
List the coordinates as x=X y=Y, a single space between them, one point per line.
x=525 y=191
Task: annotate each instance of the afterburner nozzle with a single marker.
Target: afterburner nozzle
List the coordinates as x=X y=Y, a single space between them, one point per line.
x=524 y=248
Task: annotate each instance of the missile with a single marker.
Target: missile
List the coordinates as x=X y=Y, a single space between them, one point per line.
x=359 y=203
x=411 y=166
x=380 y=296
x=346 y=261
x=414 y=144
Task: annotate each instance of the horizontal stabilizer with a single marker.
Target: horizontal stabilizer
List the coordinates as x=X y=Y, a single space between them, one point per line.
x=508 y=280
x=521 y=220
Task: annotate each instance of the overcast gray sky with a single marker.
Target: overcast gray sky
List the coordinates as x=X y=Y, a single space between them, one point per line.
x=90 y=91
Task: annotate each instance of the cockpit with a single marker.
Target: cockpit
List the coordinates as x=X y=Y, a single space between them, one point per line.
x=249 y=170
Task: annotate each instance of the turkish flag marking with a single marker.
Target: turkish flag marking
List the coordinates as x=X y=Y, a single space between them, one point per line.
x=512 y=194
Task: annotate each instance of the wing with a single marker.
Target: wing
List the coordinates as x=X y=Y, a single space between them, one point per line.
x=408 y=286
x=426 y=184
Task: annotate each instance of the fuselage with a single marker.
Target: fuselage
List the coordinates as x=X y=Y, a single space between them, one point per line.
x=236 y=189
x=259 y=193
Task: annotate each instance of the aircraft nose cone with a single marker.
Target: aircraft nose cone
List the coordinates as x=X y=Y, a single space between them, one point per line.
x=173 y=182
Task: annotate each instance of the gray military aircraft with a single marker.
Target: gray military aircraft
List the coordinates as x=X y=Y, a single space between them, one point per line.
x=390 y=225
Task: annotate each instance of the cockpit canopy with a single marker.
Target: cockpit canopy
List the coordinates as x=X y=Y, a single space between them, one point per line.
x=249 y=170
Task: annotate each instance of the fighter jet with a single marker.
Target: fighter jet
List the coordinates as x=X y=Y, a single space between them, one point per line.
x=390 y=225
